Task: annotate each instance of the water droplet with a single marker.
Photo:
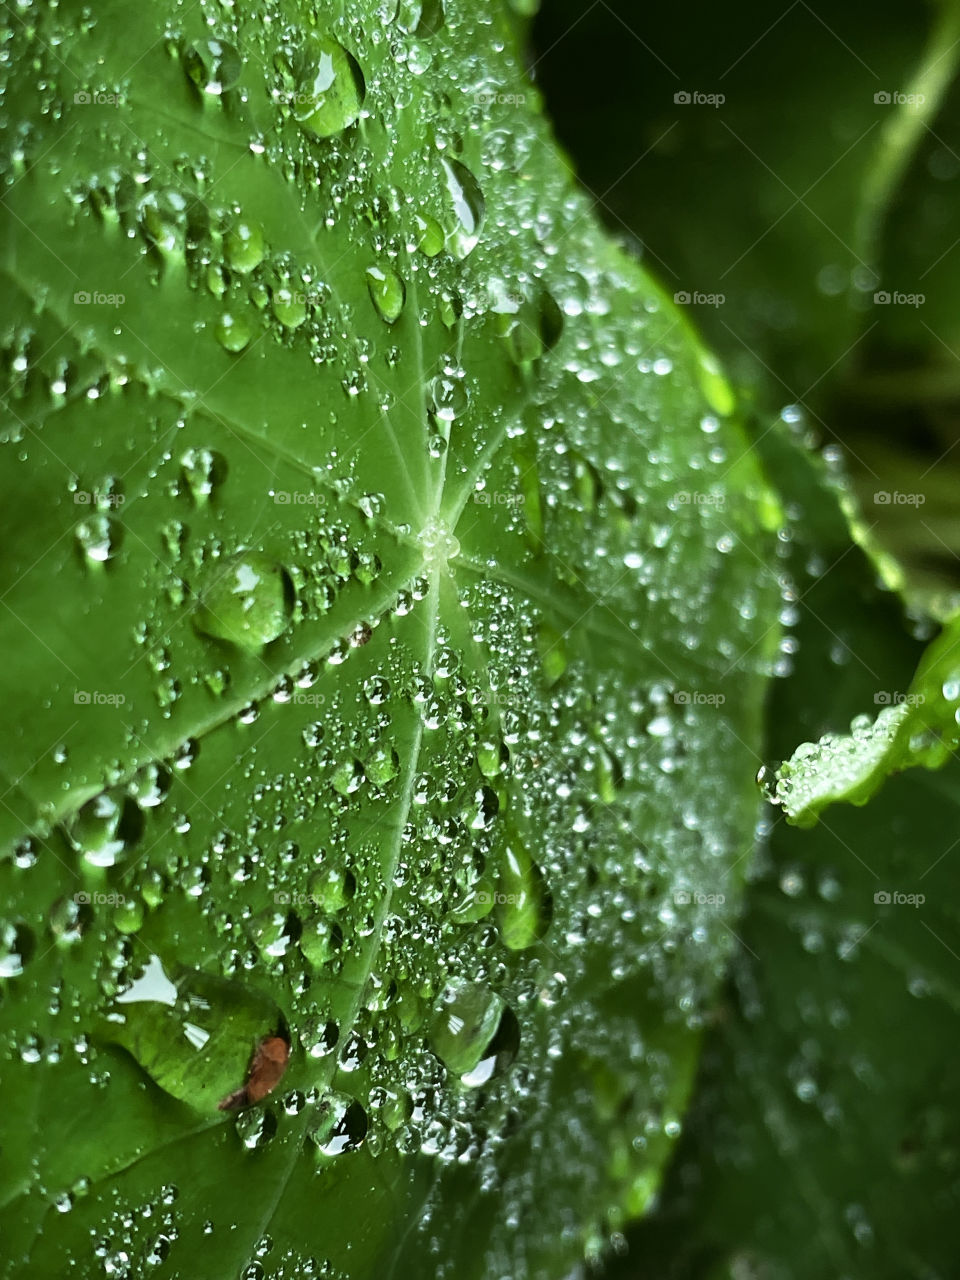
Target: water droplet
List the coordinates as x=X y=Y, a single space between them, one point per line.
x=255 y=1128
x=212 y=65
x=553 y=652
x=202 y=470
x=447 y=396
x=421 y=18
x=332 y=888
x=17 y=945
x=274 y=932
x=243 y=247
x=289 y=308
x=468 y=206
x=105 y=827
x=98 y=538
x=233 y=331
x=382 y=766
x=195 y=1034
x=387 y=291
x=321 y=941
x=530 y=326
x=474 y=1032
x=330 y=88
x=430 y=238
x=524 y=903
x=248 y=601
x=341 y=1126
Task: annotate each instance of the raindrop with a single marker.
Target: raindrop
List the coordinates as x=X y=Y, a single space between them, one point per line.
x=248 y=601
x=212 y=65
x=342 y=1124
x=387 y=291
x=330 y=88
x=474 y=1032
x=468 y=206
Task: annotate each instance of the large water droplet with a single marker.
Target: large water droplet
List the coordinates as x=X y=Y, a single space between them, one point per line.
x=421 y=18
x=243 y=246
x=468 y=206
x=524 y=903
x=341 y=1125
x=474 y=1032
x=98 y=538
x=105 y=828
x=212 y=65
x=202 y=470
x=248 y=601
x=330 y=88
x=233 y=331
x=196 y=1035
x=387 y=291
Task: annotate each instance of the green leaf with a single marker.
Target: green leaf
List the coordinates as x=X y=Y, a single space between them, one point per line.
x=386 y=654
x=917 y=727
x=791 y=134
x=823 y=1137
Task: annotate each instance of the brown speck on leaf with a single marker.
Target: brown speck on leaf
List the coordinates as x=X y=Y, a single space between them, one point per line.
x=266 y=1069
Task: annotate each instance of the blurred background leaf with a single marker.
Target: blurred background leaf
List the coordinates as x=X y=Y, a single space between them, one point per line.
x=827 y=175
